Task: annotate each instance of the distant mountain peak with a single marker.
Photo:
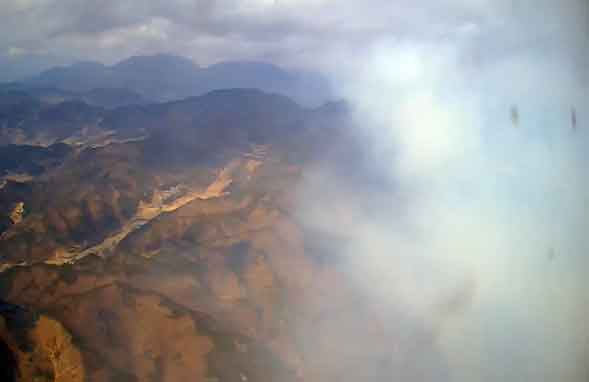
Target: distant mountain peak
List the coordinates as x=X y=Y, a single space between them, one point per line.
x=156 y=60
x=166 y=77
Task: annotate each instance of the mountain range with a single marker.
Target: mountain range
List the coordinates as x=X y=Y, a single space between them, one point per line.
x=166 y=77
x=160 y=242
x=149 y=236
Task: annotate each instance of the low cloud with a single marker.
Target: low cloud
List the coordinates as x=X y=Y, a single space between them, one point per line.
x=482 y=242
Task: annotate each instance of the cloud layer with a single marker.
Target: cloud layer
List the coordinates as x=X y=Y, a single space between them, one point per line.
x=284 y=31
x=489 y=254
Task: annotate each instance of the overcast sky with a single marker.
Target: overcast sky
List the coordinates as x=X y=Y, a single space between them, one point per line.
x=302 y=33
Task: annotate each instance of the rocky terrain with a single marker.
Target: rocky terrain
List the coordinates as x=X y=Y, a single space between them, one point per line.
x=179 y=256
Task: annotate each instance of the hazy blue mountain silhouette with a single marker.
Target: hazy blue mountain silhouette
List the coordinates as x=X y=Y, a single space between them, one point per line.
x=163 y=77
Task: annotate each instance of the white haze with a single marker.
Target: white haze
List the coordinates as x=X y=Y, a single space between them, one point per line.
x=485 y=241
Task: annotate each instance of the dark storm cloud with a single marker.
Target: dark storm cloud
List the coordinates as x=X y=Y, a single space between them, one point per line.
x=209 y=30
x=283 y=30
x=95 y=17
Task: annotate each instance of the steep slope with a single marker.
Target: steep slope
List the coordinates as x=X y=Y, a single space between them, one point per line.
x=230 y=282
x=99 y=190
x=181 y=256
x=31 y=159
x=25 y=119
x=30 y=121
x=39 y=348
x=109 y=98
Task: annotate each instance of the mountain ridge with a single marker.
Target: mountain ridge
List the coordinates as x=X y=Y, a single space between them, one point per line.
x=162 y=77
x=163 y=244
